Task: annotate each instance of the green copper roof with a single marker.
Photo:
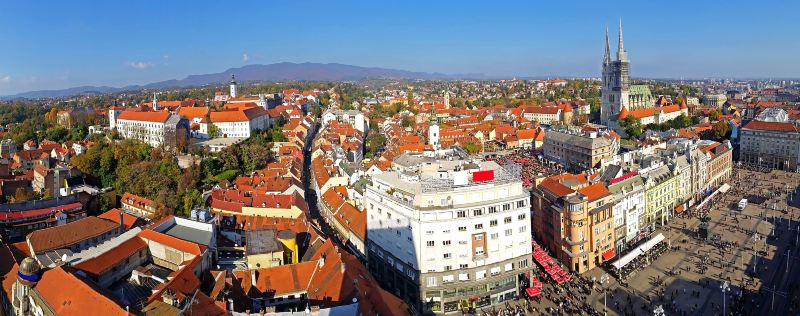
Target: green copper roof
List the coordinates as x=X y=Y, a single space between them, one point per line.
x=640 y=90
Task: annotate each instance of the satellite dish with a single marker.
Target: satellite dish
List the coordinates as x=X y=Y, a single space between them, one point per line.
x=64 y=258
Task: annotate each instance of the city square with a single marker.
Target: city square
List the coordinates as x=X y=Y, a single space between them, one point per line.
x=688 y=279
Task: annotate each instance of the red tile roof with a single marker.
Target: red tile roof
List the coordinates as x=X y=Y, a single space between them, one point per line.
x=554 y=187
x=68 y=295
x=349 y=216
x=595 y=191
x=642 y=113
x=102 y=263
x=136 y=201
x=8 y=269
x=172 y=242
x=182 y=281
x=66 y=235
x=159 y=117
x=772 y=126
x=128 y=220
x=526 y=134
x=239 y=115
x=15 y=215
x=192 y=112
x=279 y=280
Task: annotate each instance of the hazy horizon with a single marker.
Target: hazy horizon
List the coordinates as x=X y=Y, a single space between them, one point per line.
x=65 y=45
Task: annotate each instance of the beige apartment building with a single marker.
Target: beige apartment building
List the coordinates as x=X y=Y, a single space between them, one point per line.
x=579 y=150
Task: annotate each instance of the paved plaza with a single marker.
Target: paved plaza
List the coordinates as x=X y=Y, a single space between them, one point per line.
x=755 y=251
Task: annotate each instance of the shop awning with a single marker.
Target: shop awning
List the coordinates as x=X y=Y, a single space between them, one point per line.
x=627 y=258
x=608 y=255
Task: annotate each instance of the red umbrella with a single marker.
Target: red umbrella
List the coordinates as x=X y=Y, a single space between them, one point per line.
x=532 y=291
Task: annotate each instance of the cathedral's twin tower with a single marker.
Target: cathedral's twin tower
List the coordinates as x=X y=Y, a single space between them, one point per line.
x=616 y=81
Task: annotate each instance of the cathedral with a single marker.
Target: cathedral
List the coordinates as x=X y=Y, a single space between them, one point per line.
x=617 y=92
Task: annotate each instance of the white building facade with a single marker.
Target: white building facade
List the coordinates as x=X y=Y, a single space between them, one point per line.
x=354 y=117
x=629 y=208
x=237 y=123
x=144 y=126
x=450 y=233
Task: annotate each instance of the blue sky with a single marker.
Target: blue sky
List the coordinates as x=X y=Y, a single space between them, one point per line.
x=60 y=44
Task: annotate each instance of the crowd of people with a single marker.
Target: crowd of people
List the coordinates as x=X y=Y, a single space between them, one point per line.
x=639 y=262
x=532 y=166
x=725 y=256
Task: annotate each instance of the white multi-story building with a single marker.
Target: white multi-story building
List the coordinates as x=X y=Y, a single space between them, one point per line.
x=239 y=122
x=628 y=193
x=144 y=126
x=444 y=232
x=354 y=117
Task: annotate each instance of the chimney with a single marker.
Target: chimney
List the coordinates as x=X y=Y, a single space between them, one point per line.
x=344 y=268
x=253 y=276
x=121 y=222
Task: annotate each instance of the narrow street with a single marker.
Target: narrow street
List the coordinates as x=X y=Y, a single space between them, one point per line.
x=315 y=217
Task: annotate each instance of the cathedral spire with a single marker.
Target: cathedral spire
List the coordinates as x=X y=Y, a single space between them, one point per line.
x=607 y=56
x=622 y=55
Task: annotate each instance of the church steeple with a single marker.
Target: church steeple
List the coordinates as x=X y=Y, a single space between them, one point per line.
x=233 y=86
x=433 y=129
x=622 y=55
x=155 y=102
x=607 y=56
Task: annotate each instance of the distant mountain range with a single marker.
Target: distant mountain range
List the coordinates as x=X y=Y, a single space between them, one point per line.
x=273 y=72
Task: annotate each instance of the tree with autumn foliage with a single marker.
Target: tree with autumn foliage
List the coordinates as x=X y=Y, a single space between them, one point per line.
x=51 y=117
x=721 y=130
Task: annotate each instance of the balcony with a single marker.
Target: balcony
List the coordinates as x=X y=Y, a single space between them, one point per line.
x=574 y=243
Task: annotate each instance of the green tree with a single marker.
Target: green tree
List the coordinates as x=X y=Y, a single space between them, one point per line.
x=191 y=199
x=375 y=141
x=472 y=148
x=56 y=133
x=681 y=121
x=213 y=130
x=632 y=126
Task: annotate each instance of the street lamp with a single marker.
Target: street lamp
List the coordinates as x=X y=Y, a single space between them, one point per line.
x=603 y=281
x=755 y=253
x=659 y=311
x=724 y=287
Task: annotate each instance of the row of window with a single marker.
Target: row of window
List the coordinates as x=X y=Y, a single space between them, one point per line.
x=490 y=210
x=432 y=281
x=493 y=236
